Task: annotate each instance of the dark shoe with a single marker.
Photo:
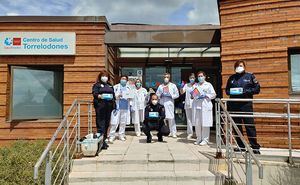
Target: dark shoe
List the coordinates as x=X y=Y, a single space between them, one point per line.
x=148 y=140
x=160 y=139
x=104 y=147
x=256 y=151
x=239 y=150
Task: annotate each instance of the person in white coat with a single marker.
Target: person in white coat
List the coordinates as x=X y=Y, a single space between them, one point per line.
x=139 y=104
x=202 y=109
x=121 y=115
x=187 y=89
x=167 y=92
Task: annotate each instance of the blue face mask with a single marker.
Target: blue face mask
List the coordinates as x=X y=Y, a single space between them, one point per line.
x=201 y=79
x=123 y=82
x=192 y=80
x=138 y=84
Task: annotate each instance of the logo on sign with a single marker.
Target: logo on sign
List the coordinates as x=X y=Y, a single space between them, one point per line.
x=17 y=41
x=12 y=42
x=8 y=42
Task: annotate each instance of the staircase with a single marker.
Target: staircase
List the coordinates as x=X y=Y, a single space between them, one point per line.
x=135 y=162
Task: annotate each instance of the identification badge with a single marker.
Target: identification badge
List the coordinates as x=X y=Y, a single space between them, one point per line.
x=236 y=91
x=105 y=96
x=153 y=114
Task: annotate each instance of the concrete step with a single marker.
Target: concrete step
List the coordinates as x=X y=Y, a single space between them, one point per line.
x=139 y=163
x=144 y=177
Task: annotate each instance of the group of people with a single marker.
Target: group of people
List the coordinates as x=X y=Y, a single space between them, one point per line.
x=119 y=105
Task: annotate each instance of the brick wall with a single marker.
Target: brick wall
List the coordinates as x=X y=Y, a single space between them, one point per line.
x=80 y=72
x=260 y=32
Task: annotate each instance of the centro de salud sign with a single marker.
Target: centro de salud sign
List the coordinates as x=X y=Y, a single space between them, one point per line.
x=37 y=43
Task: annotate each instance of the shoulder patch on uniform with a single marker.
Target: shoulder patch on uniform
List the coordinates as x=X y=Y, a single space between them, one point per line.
x=255 y=80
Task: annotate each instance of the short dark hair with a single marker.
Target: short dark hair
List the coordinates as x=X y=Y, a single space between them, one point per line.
x=124 y=76
x=237 y=63
x=153 y=95
x=201 y=72
x=103 y=73
x=192 y=74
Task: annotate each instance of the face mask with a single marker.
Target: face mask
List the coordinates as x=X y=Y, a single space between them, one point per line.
x=123 y=82
x=192 y=80
x=239 y=69
x=104 y=79
x=201 y=79
x=154 y=102
x=138 y=84
x=166 y=80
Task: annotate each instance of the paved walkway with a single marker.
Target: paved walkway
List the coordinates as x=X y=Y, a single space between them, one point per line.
x=175 y=161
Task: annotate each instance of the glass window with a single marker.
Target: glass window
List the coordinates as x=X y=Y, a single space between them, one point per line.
x=154 y=76
x=180 y=74
x=131 y=71
x=36 y=93
x=295 y=72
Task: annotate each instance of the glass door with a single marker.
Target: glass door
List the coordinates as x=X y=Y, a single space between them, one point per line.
x=154 y=76
x=180 y=75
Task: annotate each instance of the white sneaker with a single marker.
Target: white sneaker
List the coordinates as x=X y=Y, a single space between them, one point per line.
x=138 y=134
x=189 y=136
x=174 y=135
x=111 y=140
x=197 y=142
x=203 y=143
x=122 y=138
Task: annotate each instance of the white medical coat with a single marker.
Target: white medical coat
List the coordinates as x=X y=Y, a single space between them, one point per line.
x=139 y=104
x=202 y=108
x=187 y=89
x=124 y=115
x=168 y=101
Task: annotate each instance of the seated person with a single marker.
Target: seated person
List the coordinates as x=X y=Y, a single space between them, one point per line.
x=154 y=118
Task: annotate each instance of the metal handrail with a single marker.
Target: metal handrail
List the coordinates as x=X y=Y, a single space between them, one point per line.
x=288 y=115
x=229 y=153
x=64 y=127
x=227 y=118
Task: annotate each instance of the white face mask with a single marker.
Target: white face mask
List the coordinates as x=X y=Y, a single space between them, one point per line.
x=239 y=69
x=154 y=102
x=104 y=79
x=166 y=80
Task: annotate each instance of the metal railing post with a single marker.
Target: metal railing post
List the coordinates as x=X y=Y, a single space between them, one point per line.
x=248 y=168
x=48 y=175
x=289 y=133
x=90 y=129
x=228 y=151
x=78 y=128
x=218 y=129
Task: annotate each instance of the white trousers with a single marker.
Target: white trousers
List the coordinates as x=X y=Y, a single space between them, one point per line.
x=123 y=120
x=202 y=133
x=137 y=125
x=189 y=118
x=113 y=128
x=172 y=125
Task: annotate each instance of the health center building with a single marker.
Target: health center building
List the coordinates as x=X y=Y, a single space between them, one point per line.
x=48 y=61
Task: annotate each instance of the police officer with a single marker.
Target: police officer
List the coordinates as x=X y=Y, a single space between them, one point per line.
x=104 y=103
x=243 y=85
x=154 y=118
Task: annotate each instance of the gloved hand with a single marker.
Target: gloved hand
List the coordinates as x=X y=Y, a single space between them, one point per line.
x=182 y=84
x=202 y=96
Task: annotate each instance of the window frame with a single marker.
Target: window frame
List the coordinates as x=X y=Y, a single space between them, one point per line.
x=292 y=51
x=56 y=68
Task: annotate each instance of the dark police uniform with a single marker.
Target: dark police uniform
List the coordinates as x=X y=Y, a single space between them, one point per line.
x=103 y=107
x=154 y=123
x=250 y=86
